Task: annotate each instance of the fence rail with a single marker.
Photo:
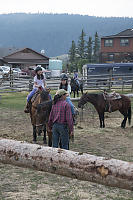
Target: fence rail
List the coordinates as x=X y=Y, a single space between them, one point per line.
x=91 y=82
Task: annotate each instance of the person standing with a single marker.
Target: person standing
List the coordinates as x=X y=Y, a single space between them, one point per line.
x=64 y=85
x=60 y=120
x=75 y=76
x=39 y=81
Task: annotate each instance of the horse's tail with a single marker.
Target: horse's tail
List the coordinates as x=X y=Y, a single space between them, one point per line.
x=129 y=115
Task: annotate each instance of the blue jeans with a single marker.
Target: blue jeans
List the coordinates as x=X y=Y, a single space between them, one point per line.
x=31 y=94
x=71 y=104
x=60 y=132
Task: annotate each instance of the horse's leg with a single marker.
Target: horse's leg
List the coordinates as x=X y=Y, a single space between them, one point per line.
x=77 y=93
x=49 y=132
x=101 y=118
x=60 y=144
x=74 y=93
x=123 y=124
x=44 y=136
x=82 y=90
x=34 y=133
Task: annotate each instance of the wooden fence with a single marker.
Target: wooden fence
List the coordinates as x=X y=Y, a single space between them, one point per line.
x=92 y=82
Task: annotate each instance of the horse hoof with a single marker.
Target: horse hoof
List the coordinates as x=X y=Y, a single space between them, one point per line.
x=34 y=142
x=44 y=142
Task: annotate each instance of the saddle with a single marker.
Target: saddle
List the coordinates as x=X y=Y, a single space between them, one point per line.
x=109 y=97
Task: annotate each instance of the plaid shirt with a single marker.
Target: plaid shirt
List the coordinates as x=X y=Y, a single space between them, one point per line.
x=61 y=113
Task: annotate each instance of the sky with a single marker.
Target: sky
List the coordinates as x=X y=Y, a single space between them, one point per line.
x=105 y=8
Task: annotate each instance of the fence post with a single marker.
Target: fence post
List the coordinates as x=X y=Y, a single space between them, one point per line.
x=123 y=86
x=110 y=78
x=30 y=85
x=11 y=78
x=132 y=86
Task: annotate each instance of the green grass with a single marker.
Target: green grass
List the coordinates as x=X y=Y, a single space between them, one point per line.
x=16 y=100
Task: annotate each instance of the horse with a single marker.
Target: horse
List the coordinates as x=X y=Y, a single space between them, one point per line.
x=123 y=104
x=75 y=87
x=39 y=119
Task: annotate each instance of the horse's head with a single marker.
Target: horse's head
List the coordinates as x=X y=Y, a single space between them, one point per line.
x=44 y=95
x=83 y=99
x=42 y=114
x=38 y=115
x=74 y=83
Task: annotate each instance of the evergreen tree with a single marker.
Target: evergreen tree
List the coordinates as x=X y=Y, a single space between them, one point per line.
x=72 y=52
x=72 y=57
x=89 y=50
x=81 y=45
x=96 y=48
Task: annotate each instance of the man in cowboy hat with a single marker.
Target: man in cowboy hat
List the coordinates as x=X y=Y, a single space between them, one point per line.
x=60 y=120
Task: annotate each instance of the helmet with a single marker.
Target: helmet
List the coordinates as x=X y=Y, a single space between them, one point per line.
x=64 y=77
x=38 y=69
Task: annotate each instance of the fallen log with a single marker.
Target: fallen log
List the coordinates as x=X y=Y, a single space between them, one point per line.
x=82 y=166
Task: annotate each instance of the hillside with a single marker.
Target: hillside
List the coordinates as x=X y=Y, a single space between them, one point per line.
x=55 y=32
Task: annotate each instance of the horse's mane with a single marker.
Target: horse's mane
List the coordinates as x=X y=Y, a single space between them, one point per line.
x=44 y=95
x=45 y=106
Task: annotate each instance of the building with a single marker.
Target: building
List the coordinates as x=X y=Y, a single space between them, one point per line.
x=117 y=48
x=22 y=58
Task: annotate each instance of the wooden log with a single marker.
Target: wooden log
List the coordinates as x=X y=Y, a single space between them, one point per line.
x=82 y=166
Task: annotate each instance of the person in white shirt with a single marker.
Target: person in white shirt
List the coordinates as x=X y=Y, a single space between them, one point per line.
x=39 y=81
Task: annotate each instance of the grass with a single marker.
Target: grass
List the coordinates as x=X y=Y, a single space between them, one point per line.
x=15 y=100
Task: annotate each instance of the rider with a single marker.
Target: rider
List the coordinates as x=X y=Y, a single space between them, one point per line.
x=75 y=76
x=64 y=85
x=39 y=81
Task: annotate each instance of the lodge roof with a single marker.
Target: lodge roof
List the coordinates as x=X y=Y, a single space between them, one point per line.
x=5 y=52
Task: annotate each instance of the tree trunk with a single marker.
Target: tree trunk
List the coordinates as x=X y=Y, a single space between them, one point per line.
x=77 y=165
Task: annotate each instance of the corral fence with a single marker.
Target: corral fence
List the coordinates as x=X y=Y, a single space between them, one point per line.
x=91 y=82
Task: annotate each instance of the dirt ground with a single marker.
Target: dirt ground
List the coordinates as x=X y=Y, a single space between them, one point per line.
x=26 y=184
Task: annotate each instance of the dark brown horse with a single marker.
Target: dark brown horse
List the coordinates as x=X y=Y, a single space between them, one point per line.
x=39 y=119
x=123 y=105
x=76 y=87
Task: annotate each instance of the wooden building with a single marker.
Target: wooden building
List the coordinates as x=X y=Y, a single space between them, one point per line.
x=117 y=48
x=22 y=57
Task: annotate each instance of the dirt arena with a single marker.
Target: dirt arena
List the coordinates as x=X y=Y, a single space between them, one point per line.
x=26 y=184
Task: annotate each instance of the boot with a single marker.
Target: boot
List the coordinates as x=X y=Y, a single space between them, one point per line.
x=27 y=108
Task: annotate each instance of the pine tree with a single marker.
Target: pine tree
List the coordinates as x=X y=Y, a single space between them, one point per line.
x=96 y=49
x=81 y=45
x=72 y=52
x=72 y=57
x=89 y=50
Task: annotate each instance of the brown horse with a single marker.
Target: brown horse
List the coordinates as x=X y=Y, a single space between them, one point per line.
x=39 y=119
x=123 y=105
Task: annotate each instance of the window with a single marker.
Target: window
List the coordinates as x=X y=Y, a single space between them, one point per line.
x=108 y=43
x=124 y=42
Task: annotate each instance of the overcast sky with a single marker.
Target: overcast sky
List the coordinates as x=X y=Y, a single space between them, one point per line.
x=118 y=8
